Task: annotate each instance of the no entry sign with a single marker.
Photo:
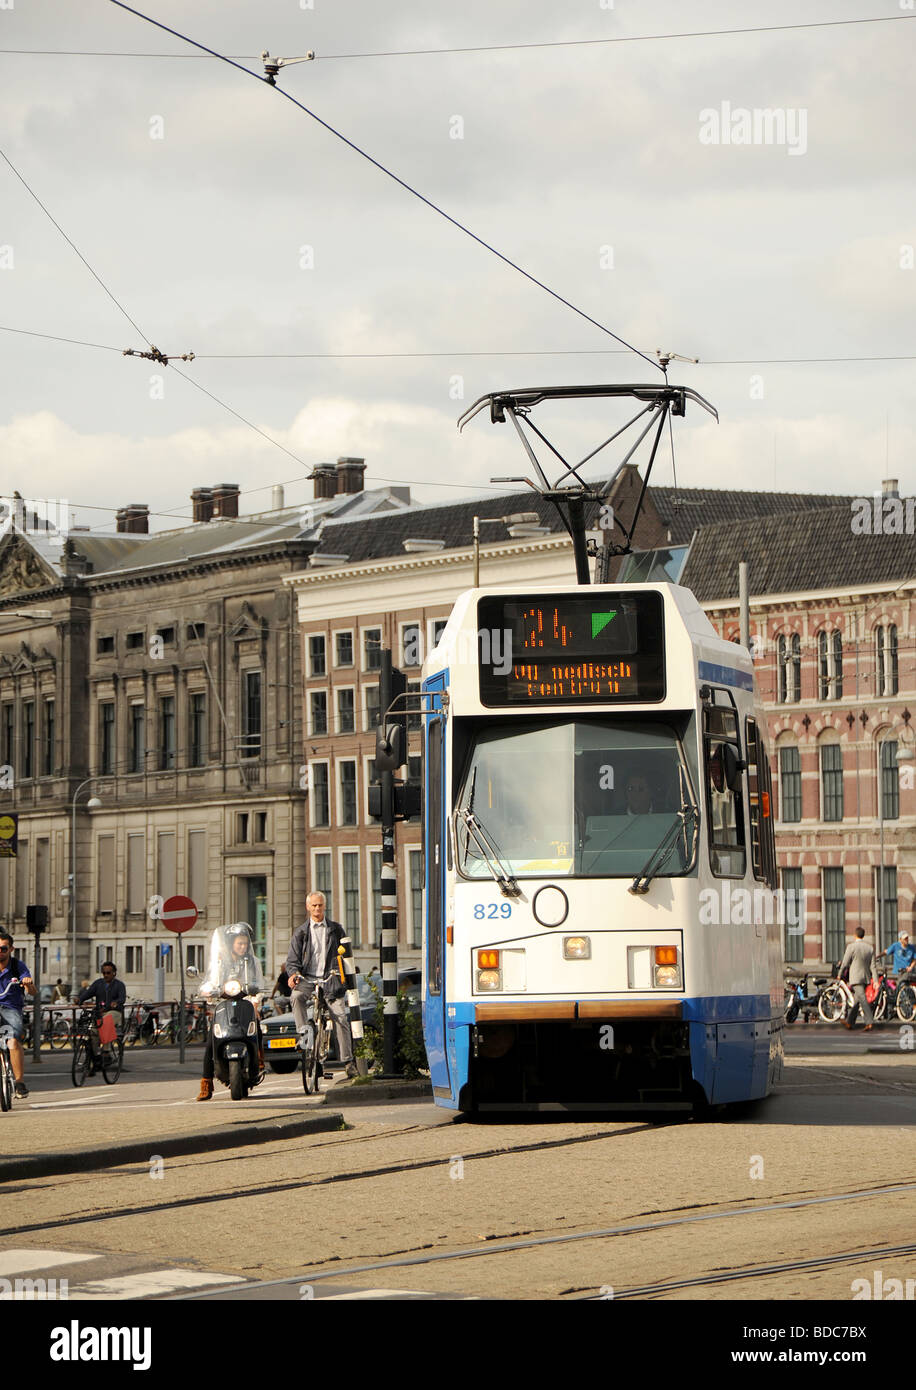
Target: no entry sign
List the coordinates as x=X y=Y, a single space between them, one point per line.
x=178 y=914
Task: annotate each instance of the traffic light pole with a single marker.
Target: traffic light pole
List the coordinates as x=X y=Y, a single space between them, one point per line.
x=389 y=942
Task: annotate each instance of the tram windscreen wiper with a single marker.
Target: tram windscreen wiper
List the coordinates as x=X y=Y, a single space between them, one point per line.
x=486 y=846
x=686 y=822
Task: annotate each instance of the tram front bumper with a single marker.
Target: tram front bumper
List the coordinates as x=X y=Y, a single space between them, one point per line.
x=522 y=1010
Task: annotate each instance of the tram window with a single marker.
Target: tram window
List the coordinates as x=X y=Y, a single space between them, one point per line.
x=574 y=797
x=727 y=857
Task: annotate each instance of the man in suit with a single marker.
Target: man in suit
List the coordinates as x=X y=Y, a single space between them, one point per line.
x=860 y=961
x=313 y=959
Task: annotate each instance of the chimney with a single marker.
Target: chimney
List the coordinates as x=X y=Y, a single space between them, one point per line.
x=134 y=520
x=202 y=502
x=276 y=497
x=324 y=476
x=350 y=475
x=890 y=488
x=226 y=501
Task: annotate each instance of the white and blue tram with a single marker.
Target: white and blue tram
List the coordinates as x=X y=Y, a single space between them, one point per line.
x=601 y=925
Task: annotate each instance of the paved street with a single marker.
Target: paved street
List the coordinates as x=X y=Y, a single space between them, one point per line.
x=788 y=1199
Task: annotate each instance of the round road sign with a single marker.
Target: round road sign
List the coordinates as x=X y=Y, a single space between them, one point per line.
x=178 y=914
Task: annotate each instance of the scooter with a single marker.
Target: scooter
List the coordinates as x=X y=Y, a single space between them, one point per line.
x=235 y=1040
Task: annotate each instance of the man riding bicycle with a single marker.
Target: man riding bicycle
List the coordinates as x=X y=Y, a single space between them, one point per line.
x=901 y=956
x=14 y=978
x=109 y=996
x=312 y=960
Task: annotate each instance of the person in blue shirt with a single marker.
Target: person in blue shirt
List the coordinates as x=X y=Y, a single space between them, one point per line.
x=14 y=978
x=901 y=955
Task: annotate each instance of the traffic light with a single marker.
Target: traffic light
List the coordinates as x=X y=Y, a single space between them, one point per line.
x=407 y=799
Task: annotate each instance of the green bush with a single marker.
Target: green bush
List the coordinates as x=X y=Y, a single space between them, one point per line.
x=410 y=1050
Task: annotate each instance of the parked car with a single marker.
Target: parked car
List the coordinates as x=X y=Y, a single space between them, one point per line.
x=279 y=1030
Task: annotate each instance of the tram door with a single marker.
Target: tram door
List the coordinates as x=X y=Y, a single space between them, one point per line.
x=434 y=834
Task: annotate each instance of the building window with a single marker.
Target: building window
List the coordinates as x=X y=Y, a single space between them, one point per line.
x=164 y=958
x=373 y=711
x=375 y=887
x=195 y=956
x=347 y=810
x=372 y=649
x=167 y=733
x=105 y=646
x=47 y=760
x=415 y=778
x=343 y=648
x=136 y=873
x=886 y=660
x=349 y=861
x=106 y=738
x=317 y=655
x=832 y=781
x=28 y=739
x=197 y=748
x=834 y=915
x=829 y=666
x=106 y=882
x=196 y=632
x=251 y=714
x=437 y=627
x=415 y=857
x=793 y=914
x=167 y=634
x=197 y=868
x=414 y=712
x=790 y=784
x=133 y=963
x=890 y=780
x=135 y=641
x=412 y=644
x=318 y=713
x=9 y=734
x=323 y=880
x=241 y=828
x=885 y=907
x=103 y=953
x=260 y=827
x=346 y=711
x=319 y=794
x=137 y=760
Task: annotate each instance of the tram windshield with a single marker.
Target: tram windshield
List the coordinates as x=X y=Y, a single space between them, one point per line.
x=592 y=798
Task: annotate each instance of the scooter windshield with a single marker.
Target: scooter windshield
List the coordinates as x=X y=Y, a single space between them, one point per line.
x=232 y=957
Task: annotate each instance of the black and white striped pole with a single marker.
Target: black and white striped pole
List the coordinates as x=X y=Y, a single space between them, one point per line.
x=349 y=964
x=388 y=949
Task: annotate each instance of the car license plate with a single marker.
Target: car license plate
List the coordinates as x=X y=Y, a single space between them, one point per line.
x=281 y=1042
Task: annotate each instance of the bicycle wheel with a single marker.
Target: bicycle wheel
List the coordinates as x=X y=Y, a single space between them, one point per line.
x=6 y=1078
x=832 y=1004
x=310 y=1060
x=112 y=1054
x=60 y=1034
x=79 y=1067
x=881 y=1006
x=791 y=1007
x=906 y=1003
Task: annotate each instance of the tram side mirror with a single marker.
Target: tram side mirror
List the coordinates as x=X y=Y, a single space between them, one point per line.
x=389 y=748
x=732 y=766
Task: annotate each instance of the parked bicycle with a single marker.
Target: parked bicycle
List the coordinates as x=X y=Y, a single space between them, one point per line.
x=837 y=1000
x=800 y=1000
x=85 y=1060
x=316 y=1041
x=55 y=1029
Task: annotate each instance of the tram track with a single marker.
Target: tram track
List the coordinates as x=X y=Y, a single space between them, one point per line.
x=302 y=1184
x=641 y=1228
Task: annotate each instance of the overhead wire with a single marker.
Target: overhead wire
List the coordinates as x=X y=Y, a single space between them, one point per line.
x=357 y=149
x=484 y=48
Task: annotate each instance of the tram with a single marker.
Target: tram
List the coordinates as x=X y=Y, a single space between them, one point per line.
x=601 y=921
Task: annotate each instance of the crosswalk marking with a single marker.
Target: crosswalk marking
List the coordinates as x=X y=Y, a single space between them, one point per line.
x=150 y=1283
x=23 y=1261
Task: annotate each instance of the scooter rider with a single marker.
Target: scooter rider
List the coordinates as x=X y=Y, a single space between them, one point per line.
x=232 y=957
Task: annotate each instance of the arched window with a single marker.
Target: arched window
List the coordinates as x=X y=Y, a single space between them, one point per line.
x=830 y=665
x=886 y=660
x=889 y=780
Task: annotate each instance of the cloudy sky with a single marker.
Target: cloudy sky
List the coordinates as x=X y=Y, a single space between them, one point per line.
x=339 y=315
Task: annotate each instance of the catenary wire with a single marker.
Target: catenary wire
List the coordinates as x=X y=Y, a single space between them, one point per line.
x=390 y=174
x=485 y=48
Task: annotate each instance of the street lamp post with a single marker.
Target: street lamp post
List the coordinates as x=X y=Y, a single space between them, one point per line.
x=518 y=521
x=91 y=805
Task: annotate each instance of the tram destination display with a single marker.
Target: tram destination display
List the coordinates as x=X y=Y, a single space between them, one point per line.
x=593 y=648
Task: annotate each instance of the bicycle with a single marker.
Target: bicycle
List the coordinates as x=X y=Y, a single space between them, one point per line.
x=316 y=1041
x=7 y=1079
x=906 y=996
x=55 y=1030
x=110 y=1055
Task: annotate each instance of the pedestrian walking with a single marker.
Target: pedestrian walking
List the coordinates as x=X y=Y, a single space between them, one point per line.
x=859 y=960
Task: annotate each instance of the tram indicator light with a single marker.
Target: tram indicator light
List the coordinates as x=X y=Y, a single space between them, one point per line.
x=487 y=960
x=666 y=955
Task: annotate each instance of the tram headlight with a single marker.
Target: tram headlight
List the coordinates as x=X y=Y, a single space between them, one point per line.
x=667 y=970
x=489 y=974
x=577 y=948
